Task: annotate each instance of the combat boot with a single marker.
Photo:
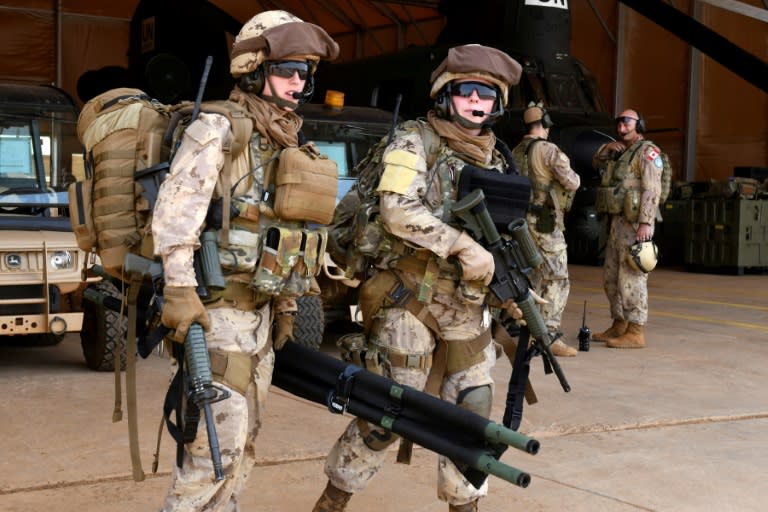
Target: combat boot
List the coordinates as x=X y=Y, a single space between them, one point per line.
x=467 y=507
x=616 y=329
x=633 y=338
x=560 y=349
x=333 y=499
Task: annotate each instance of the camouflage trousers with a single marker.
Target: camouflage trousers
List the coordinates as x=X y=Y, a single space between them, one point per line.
x=351 y=464
x=626 y=288
x=238 y=420
x=550 y=279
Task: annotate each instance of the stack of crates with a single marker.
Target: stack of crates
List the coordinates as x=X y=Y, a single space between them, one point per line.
x=731 y=234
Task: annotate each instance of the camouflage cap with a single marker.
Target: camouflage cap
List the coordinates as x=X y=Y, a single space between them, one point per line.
x=274 y=35
x=534 y=112
x=474 y=60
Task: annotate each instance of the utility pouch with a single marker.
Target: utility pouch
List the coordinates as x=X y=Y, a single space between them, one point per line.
x=243 y=251
x=545 y=222
x=280 y=254
x=306 y=186
x=81 y=218
x=609 y=200
x=369 y=234
x=631 y=205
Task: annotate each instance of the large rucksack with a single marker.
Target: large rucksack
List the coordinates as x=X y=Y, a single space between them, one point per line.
x=129 y=138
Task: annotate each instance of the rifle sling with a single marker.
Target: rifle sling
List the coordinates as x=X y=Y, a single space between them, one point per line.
x=130 y=376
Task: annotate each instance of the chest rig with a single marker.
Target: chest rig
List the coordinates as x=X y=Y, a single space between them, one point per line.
x=620 y=186
x=272 y=240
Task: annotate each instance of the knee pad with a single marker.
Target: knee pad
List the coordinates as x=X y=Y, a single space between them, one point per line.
x=478 y=399
x=376 y=438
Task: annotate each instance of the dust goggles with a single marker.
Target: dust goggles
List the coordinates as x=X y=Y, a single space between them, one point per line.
x=465 y=89
x=625 y=119
x=286 y=68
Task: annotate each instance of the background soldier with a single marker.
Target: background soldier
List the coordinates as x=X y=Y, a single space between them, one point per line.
x=470 y=88
x=274 y=56
x=629 y=192
x=553 y=184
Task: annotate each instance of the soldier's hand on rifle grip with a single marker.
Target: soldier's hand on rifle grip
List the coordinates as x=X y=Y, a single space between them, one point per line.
x=283 y=329
x=181 y=307
x=476 y=263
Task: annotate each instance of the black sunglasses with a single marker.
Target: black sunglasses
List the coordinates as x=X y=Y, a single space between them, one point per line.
x=465 y=89
x=286 y=69
x=625 y=119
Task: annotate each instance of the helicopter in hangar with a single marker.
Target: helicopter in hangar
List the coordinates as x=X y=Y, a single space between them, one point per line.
x=537 y=34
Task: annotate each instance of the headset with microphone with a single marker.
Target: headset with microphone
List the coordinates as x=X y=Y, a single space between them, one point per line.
x=254 y=81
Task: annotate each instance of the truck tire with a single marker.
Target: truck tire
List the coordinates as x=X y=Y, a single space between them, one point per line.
x=104 y=331
x=310 y=322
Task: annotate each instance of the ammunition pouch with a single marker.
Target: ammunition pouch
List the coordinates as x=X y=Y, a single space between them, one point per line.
x=306 y=186
x=506 y=195
x=290 y=259
x=610 y=200
x=631 y=207
x=545 y=220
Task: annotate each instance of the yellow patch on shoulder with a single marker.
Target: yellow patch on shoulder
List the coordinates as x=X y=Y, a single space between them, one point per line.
x=396 y=178
x=401 y=157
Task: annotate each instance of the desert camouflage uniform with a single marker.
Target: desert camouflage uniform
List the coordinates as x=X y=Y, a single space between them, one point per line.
x=548 y=166
x=235 y=328
x=626 y=288
x=415 y=216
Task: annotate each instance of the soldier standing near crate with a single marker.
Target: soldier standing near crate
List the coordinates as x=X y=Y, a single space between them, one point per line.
x=629 y=192
x=259 y=237
x=553 y=184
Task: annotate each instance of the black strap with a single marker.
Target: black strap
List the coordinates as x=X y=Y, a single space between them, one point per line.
x=503 y=148
x=513 y=412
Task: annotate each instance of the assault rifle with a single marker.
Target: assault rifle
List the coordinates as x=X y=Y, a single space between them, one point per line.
x=472 y=442
x=512 y=258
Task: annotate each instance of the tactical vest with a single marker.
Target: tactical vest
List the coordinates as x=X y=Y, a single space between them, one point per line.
x=271 y=237
x=620 y=186
x=549 y=199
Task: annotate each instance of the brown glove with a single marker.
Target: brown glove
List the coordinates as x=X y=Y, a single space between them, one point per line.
x=476 y=262
x=283 y=329
x=182 y=306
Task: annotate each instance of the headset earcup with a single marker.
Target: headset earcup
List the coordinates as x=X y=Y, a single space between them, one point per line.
x=640 y=125
x=441 y=103
x=253 y=82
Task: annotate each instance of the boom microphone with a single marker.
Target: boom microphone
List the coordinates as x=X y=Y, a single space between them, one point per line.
x=479 y=113
x=297 y=95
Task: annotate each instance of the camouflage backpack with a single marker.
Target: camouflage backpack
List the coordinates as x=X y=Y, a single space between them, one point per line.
x=357 y=237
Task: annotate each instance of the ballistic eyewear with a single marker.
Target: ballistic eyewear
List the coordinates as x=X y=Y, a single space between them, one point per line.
x=625 y=119
x=465 y=89
x=286 y=69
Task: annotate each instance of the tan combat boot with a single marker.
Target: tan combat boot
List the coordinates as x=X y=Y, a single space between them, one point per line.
x=616 y=329
x=467 y=507
x=333 y=499
x=560 y=349
x=633 y=338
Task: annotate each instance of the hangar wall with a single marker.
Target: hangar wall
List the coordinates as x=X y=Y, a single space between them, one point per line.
x=730 y=128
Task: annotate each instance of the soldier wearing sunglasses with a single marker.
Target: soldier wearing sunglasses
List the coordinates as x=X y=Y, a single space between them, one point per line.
x=631 y=170
x=273 y=58
x=433 y=258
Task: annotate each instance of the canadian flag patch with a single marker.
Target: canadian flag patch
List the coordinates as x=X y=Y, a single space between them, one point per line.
x=652 y=154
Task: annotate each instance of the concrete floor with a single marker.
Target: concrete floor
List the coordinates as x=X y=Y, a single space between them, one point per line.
x=678 y=426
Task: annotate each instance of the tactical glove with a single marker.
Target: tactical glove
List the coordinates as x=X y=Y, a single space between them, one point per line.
x=181 y=307
x=476 y=262
x=283 y=329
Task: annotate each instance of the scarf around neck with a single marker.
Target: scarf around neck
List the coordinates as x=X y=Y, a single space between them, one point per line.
x=478 y=148
x=278 y=127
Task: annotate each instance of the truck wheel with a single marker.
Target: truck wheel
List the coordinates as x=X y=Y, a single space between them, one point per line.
x=310 y=321
x=103 y=334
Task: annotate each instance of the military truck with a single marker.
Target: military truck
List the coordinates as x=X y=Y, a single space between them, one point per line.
x=40 y=263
